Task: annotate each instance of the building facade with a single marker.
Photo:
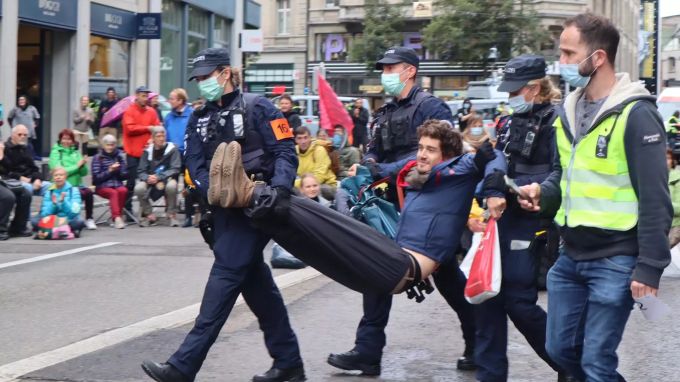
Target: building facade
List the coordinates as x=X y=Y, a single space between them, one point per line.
x=331 y=26
x=55 y=51
x=670 y=51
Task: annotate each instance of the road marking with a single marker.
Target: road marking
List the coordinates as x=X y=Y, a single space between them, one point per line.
x=12 y=371
x=58 y=254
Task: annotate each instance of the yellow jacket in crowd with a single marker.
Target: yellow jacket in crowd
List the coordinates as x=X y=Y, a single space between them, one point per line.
x=315 y=161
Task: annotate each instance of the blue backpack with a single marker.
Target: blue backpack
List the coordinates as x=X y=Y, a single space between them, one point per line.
x=367 y=205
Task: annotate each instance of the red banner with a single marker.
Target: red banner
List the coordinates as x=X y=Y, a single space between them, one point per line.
x=332 y=110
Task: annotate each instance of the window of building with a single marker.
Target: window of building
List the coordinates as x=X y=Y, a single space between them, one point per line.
x=283 y=9
x=221 y=35
x=671 y=64
x=197 y=40
x=109 y=65
x=171 y=59
x=331 y=3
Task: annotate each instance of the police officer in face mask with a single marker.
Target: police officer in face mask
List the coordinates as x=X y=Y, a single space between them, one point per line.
x=268 y=154
x=394 y=138
x=527 y=138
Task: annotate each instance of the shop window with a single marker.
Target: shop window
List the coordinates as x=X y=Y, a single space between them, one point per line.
x=331 y=3
x=171 y=38
x=283 y=10
x=671 y=64
x=221 y=35
x=197 y=40
x=109 y=65
x=451 y=82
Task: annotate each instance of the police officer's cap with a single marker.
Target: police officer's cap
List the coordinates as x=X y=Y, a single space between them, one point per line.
x=207 y=60
x=520 y=70
x=397 y=54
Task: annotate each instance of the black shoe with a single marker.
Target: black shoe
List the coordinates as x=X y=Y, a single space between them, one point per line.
x=296 y=374
x=466 y=363
x=353 y=360
x=187 y=223
x=24 y=233
x=163 y=372
x=562 y=377
x=4 y=236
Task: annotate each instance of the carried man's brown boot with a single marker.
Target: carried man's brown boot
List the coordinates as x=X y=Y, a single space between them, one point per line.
x=229 y=184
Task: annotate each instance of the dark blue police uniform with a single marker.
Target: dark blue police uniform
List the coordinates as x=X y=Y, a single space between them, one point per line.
x=395 y=138
x=528 y=141
x=239 y=267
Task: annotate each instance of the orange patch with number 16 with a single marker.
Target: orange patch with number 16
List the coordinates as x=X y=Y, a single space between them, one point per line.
x=281 y=129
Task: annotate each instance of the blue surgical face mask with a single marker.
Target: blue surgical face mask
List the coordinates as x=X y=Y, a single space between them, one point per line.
x=570 y=74
x=337 y=140
x=477 y=130
x=392 y=83
x=211 y=89
x=519 y=104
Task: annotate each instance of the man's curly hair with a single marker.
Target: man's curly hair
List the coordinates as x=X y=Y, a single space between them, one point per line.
x=450 y=141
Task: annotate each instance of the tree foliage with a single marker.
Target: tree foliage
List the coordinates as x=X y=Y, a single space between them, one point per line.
x=383 y=25
x=465 y=30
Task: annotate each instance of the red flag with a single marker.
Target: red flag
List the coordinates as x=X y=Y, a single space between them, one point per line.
x=332 y=110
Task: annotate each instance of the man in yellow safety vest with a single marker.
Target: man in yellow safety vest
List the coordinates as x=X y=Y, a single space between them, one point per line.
x=609 y=187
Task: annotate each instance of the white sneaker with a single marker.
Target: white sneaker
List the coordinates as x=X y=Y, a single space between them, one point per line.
x=90 y=224
x=174 y=222
x=118 y=223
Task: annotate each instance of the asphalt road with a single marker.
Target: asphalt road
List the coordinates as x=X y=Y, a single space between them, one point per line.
x=94 y=314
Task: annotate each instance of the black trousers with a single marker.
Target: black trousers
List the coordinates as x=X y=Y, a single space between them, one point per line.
x=9 y=198
x=132 y=164
x=340 y=247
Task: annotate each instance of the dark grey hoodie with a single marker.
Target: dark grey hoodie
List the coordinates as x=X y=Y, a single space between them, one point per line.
x=645 y=146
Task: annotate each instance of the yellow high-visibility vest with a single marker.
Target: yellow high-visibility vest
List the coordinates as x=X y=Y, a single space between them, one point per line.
x=596 y=187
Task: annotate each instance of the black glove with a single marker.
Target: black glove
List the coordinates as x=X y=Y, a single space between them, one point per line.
x=495 y=181
x=484 y=155
x=282 y=205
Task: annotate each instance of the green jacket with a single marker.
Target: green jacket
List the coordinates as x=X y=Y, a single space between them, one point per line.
x=68 y=158
x=674 y=188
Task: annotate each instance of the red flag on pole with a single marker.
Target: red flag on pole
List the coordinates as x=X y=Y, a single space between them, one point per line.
x=332 y=110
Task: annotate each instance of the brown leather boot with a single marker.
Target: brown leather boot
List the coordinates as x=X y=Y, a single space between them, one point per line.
x=229 y=184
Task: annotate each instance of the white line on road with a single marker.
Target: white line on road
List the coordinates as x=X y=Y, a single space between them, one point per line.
x=14 y=370
x=58 y=254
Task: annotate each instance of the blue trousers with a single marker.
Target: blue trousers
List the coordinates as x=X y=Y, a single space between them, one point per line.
x=516 y=300
x=238 y=269
x=589 y=303
x=450 y=281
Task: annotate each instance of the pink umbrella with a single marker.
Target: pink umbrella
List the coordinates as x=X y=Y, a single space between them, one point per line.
x=116 y=112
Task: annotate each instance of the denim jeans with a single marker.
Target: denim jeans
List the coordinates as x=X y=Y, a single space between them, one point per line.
x=44 y=186
x=589 y=303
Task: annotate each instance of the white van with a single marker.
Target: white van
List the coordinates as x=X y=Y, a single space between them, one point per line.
x=308 y=107
x=668 y=102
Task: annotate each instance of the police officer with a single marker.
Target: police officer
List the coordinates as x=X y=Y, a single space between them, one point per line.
x=394 y=138
x=527 y=139
x=268 y=155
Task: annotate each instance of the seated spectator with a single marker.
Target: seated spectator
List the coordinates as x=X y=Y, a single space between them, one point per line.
x=109 y=173
x=475 y=135
x=322 y=135
x=347 y=155
x=13 y=193
x=313 y=158
x=62 y=200
x=18 y=163
x=157 y=176
x=65 y=154
x=674 y=186
x=309 y=187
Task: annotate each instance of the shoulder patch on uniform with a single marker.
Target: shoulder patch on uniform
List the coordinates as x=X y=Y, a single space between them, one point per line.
x=281 y=129
x=649 y=139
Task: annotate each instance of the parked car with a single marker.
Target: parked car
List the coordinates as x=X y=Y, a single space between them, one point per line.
x=308 y=107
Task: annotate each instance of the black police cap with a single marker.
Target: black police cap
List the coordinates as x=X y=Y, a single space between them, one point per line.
x=520 y=70
x=207 y=60
x=397 y=54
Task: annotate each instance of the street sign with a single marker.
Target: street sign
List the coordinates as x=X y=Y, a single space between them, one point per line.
x=149 y=26
x=252 y=40
x=371 y=89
